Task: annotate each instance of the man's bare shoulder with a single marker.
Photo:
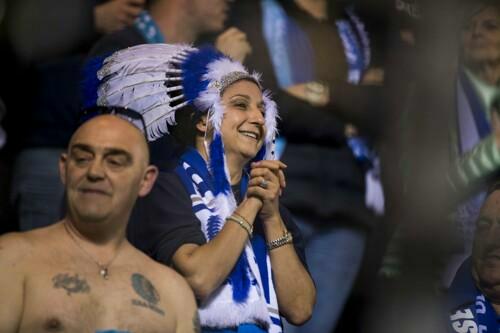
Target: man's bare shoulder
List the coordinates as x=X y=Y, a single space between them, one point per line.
x=21 y=246
x=15 y=246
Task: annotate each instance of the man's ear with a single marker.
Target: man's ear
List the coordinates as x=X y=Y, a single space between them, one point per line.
x=201 y=125
x=63 y=160
x=148 y=180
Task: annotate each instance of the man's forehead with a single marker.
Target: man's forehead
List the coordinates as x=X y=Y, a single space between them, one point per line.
x=108 y=132
x=107 y=127
x=84 y=146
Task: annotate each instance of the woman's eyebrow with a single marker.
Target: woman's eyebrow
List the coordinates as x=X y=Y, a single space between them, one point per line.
x=240 y=95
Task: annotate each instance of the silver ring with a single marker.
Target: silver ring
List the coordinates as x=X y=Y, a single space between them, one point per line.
x=263 y=184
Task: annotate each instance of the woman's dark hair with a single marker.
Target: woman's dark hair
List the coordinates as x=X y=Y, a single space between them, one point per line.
x=185 y=131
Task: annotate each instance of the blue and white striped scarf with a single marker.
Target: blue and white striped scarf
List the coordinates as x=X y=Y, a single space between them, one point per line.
x=470 y=310
x=248 y=294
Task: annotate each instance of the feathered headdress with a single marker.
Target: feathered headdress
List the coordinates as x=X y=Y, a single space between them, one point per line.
x=157 y=80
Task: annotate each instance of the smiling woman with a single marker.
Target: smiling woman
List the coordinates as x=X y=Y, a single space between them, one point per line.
x=216 y=215
x=481 y=36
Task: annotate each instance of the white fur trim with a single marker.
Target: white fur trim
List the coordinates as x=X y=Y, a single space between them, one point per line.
x=220 y=311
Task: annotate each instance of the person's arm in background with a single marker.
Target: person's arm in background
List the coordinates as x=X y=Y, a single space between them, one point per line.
x=45 y=29
x=475 y=167
x=362 y=105
x=115 y=15
x=233 y=43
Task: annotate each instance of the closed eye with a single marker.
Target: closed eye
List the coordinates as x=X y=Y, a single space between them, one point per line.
x=81 y=157
x=117 y=161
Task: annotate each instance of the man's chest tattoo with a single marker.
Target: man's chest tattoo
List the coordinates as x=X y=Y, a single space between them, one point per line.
x=73 y=284
x=148 y=293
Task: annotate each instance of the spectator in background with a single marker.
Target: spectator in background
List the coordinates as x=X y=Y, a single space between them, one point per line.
x=314 y=53
x=476 y=136
x=474 y=296
x=177 y=21
x=52 y=37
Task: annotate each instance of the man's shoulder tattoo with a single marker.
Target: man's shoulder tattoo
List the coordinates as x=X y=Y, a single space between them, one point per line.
x=148 y=293
x=73 y=284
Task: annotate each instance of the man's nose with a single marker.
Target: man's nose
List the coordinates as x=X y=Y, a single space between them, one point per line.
x=477 y=29
x=96 y=170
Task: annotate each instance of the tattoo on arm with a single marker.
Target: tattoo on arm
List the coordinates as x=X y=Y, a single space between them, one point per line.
x=72 y=284
x=146 y=290
x=196 y=322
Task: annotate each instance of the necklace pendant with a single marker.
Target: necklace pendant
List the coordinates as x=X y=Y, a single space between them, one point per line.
x=104 y=272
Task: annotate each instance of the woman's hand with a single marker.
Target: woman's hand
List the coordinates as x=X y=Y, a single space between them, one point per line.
x=267 y=182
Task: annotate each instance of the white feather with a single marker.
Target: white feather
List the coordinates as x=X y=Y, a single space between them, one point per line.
x=114 y=86
x=220 y=68
x=271 y=116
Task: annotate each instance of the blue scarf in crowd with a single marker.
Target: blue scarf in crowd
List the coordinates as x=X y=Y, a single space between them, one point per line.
x=470 y=311
x=148 y=28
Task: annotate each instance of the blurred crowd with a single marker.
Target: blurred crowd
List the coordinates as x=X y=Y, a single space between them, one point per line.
x=390 y=127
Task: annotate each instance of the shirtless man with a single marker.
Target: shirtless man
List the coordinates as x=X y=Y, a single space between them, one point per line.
x=81 y=274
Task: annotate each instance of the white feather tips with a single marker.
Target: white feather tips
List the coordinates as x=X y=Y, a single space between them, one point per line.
x=135 y=78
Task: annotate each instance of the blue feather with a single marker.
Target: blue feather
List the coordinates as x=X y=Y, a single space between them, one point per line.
x=90 y=82
x=221 y=182
x=194 y=68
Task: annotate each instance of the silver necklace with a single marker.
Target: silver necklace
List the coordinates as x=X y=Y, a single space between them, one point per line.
x=103 y=268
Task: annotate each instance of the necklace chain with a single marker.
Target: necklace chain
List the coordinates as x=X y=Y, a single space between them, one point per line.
x=103 y=268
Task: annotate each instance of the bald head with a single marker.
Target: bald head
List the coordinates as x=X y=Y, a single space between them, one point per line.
x=105 y=169
x=112 y=130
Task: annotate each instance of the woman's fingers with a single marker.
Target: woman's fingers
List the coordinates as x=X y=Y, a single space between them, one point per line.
x=271 y=164
x=263 y=194
x=271 y=170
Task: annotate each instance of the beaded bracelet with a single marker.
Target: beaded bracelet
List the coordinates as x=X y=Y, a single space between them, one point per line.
x=242 y=223
x=287 y=238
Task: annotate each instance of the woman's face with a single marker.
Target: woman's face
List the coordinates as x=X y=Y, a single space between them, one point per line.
x=481 y=37
x=243 y=130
